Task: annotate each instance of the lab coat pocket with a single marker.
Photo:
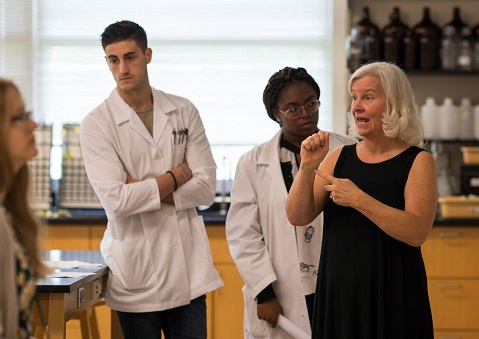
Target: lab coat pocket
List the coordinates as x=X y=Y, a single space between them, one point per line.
x=256 y=327
x=199 y=248
x=199 y=228
x=131 y=264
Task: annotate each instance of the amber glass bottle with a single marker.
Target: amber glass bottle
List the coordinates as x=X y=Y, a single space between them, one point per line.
x=372 y=44
x=370 y=36
x=365 y=26
x=364 y=43
x=427 y=35
x=354 y=47
x=393 y=35
x=410 y=51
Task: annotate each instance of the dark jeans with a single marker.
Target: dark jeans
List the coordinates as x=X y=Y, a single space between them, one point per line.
x=184 y=322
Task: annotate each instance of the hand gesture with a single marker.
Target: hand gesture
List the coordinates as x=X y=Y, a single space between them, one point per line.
x=314 y=149
x=342 y=191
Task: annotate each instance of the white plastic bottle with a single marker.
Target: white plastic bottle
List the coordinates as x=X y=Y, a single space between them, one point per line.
x=430 y=119
x=476 y=122
x=448 y=113
x=466 y=120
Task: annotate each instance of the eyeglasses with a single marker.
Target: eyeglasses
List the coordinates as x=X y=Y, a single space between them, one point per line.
x=296 y=111
x=22 y=119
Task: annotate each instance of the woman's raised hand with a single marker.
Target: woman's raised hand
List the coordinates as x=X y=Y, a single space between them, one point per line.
x=314 y=149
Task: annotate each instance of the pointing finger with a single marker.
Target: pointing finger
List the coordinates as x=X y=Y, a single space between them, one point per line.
x=328 y=177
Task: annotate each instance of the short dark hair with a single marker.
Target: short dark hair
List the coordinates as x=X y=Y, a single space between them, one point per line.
x=281 y=80
x=124 y=30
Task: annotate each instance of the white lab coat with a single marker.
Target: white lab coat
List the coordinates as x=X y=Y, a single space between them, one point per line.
x=158 y=254
x=263 y=243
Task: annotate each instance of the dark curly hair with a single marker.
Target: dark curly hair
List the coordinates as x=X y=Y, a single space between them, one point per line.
x=124 y=30
x=281 y=80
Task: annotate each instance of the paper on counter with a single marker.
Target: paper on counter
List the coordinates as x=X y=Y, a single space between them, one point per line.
x=70 y=264
x=68 y=274
x=292 y=329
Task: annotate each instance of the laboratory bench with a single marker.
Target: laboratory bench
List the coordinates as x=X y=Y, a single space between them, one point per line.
x=450 y=254
x=63 y=298
x=82 y=230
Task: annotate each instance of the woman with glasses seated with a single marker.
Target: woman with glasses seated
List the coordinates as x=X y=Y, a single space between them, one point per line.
x=20 y=263
x=278 y=262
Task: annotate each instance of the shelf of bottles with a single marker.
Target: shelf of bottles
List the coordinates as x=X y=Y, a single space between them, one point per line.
x=75 y=190
x=450 y=122
x=40 y=181
x=421 y=48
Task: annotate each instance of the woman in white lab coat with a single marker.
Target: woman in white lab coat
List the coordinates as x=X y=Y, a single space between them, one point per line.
x=277 y=261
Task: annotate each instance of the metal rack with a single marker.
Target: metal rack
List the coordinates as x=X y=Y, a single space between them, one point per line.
x=40 y=181
x=75 y=190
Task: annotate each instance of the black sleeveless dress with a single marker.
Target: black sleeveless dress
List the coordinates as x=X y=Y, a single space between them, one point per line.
x=369 y=284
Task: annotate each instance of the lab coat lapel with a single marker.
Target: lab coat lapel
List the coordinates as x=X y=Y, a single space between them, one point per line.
x=162 y=115
x=121 y=113
x=270 y=158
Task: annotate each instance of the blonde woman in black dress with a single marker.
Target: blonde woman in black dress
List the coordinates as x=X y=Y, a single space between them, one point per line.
x=379 y=199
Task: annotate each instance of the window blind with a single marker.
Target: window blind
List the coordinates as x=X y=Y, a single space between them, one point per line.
x=16 y=45
x=217 y=53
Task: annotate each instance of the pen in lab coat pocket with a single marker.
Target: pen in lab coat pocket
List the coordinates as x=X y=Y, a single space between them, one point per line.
x=174 y=136
x=183 y=135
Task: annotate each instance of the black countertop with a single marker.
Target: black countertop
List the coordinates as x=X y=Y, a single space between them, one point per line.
x=98 y=217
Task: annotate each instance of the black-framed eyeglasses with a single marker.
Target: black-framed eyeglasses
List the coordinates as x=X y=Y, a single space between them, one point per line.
x=295 y=112
x=22 y=119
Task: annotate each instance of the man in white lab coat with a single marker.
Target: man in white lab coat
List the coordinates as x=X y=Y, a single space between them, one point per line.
x=277 y=261
x=150 y=163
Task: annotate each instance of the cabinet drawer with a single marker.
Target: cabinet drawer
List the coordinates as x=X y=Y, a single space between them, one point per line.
x=456 y=335
x=66 y=237
x=452 y=252
x=454 y=303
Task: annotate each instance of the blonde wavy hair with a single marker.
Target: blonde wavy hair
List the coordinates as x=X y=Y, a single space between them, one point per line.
x=401 y=119
x=16 y=189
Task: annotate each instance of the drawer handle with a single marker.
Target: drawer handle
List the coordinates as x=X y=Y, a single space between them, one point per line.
x=450 y=286
x=450 y=234
x=449 y=337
